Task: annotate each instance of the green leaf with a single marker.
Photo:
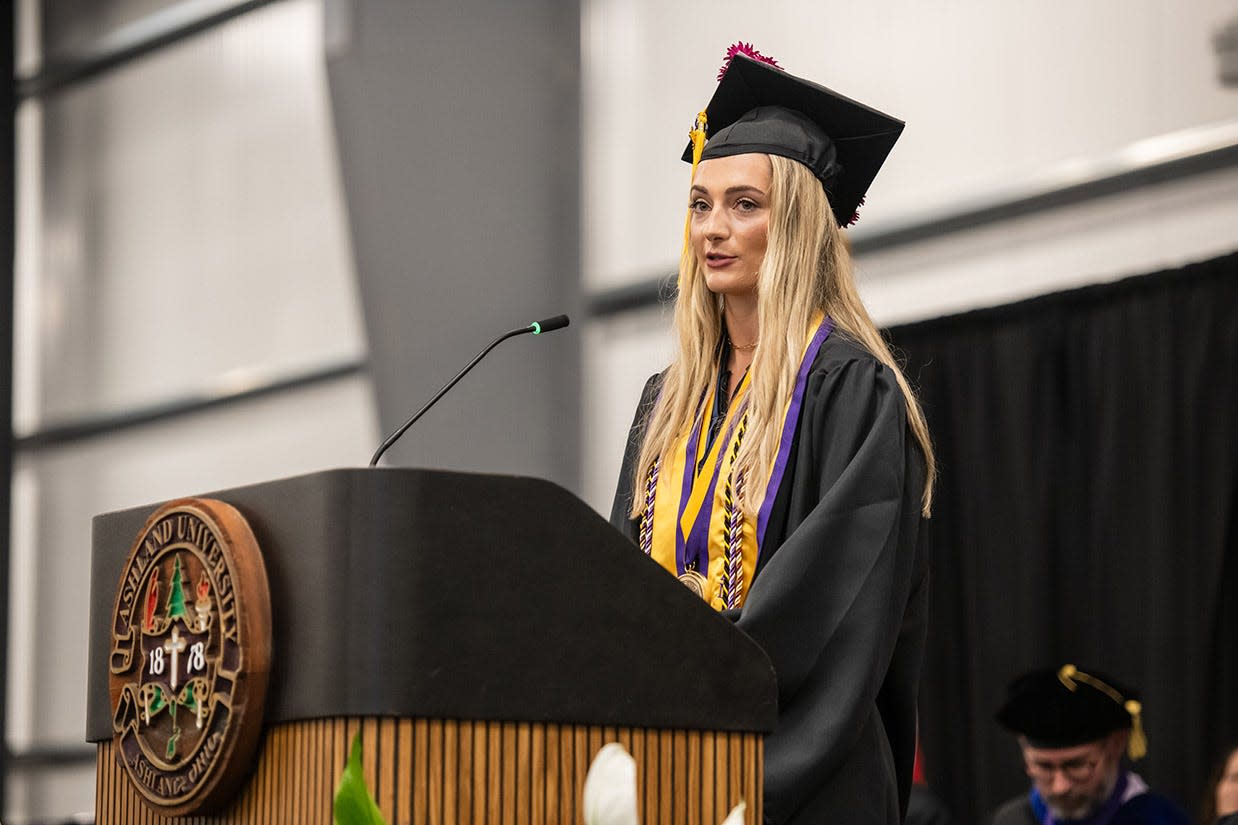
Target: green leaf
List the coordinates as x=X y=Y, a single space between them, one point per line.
x=353 y=803
x=159 y=702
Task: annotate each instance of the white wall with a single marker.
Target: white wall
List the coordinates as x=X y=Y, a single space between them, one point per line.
x=994 y=94
x=181 y=234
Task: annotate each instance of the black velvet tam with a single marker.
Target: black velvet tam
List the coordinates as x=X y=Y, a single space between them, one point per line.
x=761 y=108
x=1041 y=706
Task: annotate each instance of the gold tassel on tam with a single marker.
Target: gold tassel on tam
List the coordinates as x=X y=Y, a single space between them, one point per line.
x=697 y=136
x=1137 y=745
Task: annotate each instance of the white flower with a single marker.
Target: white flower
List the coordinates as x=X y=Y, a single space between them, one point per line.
x=610 y=788
x=736 y=816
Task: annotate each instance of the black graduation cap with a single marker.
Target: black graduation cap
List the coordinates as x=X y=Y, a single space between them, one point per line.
x=760 y=108
x=1063 y=707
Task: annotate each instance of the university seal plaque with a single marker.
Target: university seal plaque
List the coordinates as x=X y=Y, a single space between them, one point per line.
x=191 y=653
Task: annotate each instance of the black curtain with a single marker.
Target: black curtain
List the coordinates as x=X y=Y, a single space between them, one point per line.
x=1086 y=512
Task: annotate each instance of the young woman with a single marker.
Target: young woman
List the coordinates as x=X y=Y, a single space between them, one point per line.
x=1222 y=798
x=780 y=466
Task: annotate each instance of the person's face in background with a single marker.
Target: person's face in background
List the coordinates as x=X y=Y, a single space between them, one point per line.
x=1227 y=787
x=1075 y=781
x=729 y=202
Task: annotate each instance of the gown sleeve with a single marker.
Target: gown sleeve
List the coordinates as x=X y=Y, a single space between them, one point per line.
x=622 y=504
x=828 y=606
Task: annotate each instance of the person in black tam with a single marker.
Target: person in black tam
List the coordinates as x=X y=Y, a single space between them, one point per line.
x=781 y=466
x=1073 y=726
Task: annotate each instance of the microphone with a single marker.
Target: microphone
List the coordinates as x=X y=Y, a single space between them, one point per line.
x=537 y=328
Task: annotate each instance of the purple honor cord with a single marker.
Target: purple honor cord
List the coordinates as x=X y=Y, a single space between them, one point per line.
x=788 y=428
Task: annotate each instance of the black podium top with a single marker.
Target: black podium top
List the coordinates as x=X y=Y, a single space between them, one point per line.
x=423 y=593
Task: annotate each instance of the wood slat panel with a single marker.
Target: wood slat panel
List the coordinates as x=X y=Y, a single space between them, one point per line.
x=420 y=765
x=666 y=790
x=550 y=783
x=404 y=768
x=451 y=773
x=679 y=778
x=385 y=791
x=481 y=736
x=709 y=807
x=567 y=800
x=494 y=772
x=446 y=772
x=580 y=765
x=437 y=775
x=696 y=779
x=536 y=777
x=508 y=792
x=464 y=785
x=759 y=780
x=735 y=769
x=752 y=769
x=652 y=776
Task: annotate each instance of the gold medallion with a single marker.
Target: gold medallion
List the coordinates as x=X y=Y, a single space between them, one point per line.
x=694 y=581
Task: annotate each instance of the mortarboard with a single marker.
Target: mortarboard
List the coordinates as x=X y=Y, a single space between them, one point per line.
x=1064 y=707
x=758 y=107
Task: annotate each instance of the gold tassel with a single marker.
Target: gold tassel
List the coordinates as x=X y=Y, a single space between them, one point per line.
x=697 y=136
x=1137 y=746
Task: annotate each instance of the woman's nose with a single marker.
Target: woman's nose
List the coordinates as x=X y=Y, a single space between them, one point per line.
x=715 y=224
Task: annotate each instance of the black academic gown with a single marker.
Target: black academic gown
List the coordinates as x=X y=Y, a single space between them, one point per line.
x=839 y=598
x=1149 y=808
x=925 y=808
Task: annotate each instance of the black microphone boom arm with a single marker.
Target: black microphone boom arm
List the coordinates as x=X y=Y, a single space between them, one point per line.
x=537 y=328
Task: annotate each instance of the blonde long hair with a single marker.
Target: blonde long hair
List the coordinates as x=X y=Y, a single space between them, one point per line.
x=807 y=268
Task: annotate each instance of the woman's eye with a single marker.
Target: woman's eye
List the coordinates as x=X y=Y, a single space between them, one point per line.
x=698 y=206
x=745 y=205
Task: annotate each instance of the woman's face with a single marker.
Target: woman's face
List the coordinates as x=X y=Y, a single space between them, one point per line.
x=1227 y=788
x=729 y=202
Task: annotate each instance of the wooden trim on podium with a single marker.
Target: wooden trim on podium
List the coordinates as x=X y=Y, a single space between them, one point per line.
x=436 y=772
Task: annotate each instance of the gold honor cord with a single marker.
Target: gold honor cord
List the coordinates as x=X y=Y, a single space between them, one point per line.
x=1137 y=747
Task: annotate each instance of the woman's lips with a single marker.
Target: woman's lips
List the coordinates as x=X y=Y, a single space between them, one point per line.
x=720 y=261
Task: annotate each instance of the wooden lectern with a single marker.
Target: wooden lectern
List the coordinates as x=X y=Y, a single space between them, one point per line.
x=486 y=634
